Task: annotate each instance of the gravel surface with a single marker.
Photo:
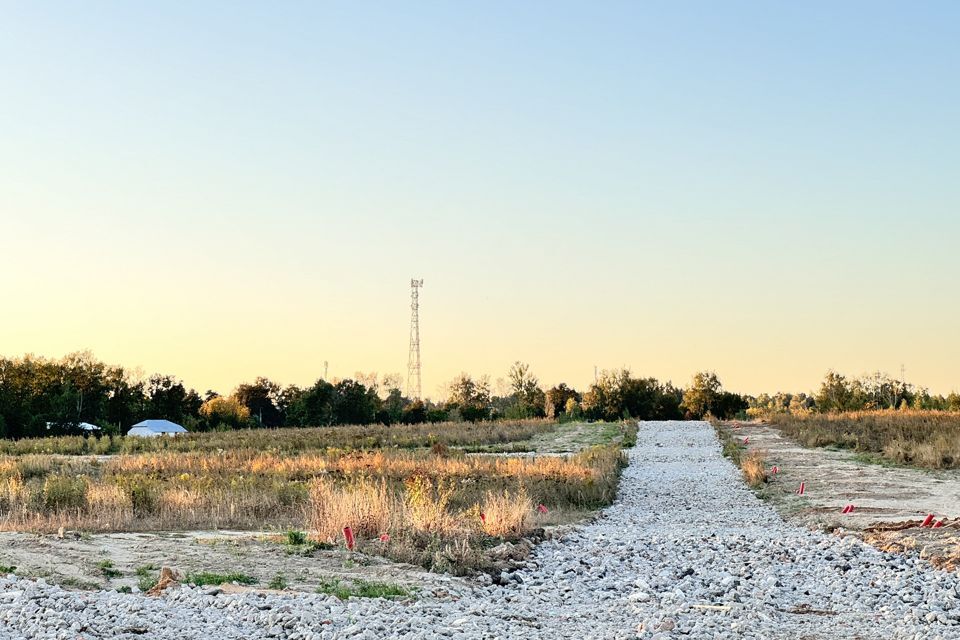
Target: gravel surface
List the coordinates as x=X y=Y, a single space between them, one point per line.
x=687 y=551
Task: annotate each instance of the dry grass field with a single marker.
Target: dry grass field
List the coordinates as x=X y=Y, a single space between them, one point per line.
x=406 y=492
x=929 y=439
x=288 y=440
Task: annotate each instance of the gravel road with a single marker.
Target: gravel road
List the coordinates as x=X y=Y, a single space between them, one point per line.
x=687 y=551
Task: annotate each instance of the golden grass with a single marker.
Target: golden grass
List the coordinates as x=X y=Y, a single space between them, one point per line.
x=929 y=439
x=369 y=507
x=429 y=501
x=753 y=467
x=507 y=514
x=247 y=489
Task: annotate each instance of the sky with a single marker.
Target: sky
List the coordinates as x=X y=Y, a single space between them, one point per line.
x=223 y=190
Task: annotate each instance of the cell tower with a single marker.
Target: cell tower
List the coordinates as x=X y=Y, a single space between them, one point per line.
x=413 y=361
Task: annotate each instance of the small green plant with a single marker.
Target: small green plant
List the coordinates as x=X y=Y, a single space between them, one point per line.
x=203 y=578
x=124 y=589
x=147 y=582
x=279 y=582
x=64 y=492
x=362 y=589
x=5 y=569
x=298 y=543
x=107 y=570
x=145 y=570
x=296 y=538
x=77 y=583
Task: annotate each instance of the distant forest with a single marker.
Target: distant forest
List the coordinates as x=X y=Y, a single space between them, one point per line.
x=40 y=396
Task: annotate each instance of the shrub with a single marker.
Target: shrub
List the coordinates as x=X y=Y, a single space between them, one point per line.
x=427 y=503
x=144 y=493
x=62 y=493
x=296 y=538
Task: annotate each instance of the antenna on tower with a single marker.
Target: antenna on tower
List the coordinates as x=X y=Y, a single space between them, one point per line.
x=413 y=361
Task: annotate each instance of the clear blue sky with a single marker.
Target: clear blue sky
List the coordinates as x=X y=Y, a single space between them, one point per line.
x=224 y=190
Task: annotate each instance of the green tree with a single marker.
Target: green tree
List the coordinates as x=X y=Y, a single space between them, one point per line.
x=311 y=407
x=261 y=398
x=527 y=399
x=556 y=399
x=471 y=398
x=617 y=395
x=702 y=394
x=392 y=406
x=353 y=403
x=167 y=398
x=220 y=412
x=706 y=395
x=838 y=394
x=953 y=401
x=414 y=413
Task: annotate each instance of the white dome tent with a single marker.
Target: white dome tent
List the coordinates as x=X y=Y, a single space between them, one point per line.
x=154 y=428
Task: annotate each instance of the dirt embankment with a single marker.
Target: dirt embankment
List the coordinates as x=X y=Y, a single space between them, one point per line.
x=889 y=503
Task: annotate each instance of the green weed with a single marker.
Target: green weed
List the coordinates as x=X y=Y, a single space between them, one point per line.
x=107 y=570
x=203 y=578
x=362 y=589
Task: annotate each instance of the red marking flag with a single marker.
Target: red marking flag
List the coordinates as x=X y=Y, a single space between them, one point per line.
x=348 y=536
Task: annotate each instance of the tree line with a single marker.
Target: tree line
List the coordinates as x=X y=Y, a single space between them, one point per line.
x=839 y=392
x=41 y=396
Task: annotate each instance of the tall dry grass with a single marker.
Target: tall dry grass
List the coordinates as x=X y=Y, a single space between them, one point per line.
x=753 y=467
x=245 y=489
x=421 y=524
x=929 y=439
x=507 y=514
x=368 y=506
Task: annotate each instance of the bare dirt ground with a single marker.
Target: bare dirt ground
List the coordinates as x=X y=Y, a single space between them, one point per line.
x=889 y=502
x=73 y=561
x=566 y=438
x=572 y=437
